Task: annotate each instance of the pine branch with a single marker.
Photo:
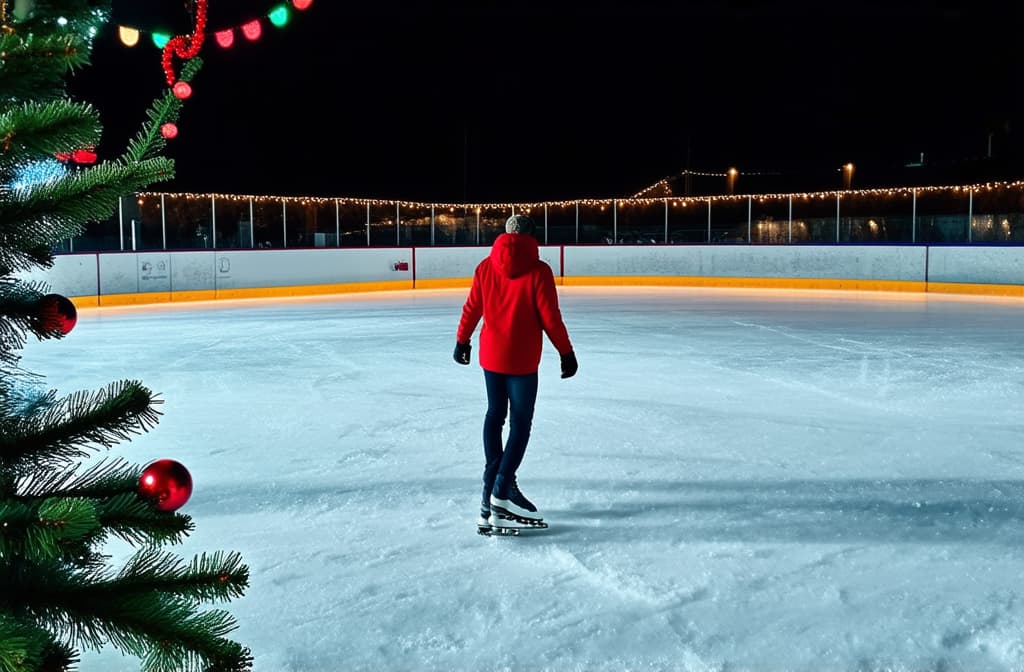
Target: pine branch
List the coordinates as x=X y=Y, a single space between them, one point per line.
x=36 y=129
x=28 y=648
x=34 y=65
x=126 y=611
x=120 y=510
x=59 y=434
x=134 y=520
x=149 y=141
x=57 y=210
x=45 y=529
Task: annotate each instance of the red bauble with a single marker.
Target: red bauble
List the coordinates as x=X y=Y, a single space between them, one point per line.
x=169 y=130
x=166 y=483
x=182 y=90
x=302 y=4
x=56 y=313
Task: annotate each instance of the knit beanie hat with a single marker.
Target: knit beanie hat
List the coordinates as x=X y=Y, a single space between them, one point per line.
x=519 y=224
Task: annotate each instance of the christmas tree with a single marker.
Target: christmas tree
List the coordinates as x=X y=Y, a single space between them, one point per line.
x=58 y=592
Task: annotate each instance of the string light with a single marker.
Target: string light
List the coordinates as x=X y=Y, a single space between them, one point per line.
x=602 y=203
x=279 y=16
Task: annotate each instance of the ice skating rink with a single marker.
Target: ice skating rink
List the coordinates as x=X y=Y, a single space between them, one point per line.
x=735 y=480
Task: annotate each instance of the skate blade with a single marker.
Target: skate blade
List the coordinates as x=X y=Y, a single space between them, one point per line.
x=520 y=521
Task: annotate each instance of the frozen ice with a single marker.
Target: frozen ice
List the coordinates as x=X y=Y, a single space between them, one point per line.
x=735 y=479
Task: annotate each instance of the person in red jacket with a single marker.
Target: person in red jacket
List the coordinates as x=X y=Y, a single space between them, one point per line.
x=514 y=292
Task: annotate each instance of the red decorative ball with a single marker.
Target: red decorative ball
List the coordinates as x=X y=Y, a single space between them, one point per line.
x=182 y=90
x=56 y=313
x=302 y=4
x=166 y=483
x=169 y=130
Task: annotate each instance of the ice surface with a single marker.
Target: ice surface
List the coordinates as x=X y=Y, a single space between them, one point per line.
x=735 y=480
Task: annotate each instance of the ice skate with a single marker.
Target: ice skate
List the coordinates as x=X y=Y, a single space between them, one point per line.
x=511 y=509
x=483 y=523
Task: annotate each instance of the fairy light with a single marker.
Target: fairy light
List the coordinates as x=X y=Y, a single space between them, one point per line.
x=129 y=36
x=252 y=29
x=601 y=203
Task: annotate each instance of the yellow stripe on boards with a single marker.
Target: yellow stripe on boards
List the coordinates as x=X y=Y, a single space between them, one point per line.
x=772 y=283
x=141 y=298
x=443 y=283
x=975 y=289
x=963 y=288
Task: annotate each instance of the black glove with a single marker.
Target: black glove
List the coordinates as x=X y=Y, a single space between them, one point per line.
x=462 y=352
x=569 y=364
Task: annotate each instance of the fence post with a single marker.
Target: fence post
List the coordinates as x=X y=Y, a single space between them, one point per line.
x=750 y=211
x=709 y=219
x=432 y=243
x=367 y=223
x=398 y=221
x=615 y=222
x=913 y=216
x=970 y=216
x=337 y=223
x=120 y=221
x=545 y=223
x=666 y=221
x=163 y=219
x=213 y=221
x=284 y=220
x=790 y=239
x=252 y=226
x=837 y=216
x=577 y=222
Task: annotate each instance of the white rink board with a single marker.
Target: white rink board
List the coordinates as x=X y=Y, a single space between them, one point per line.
x=119 y=273
x=92 y=274
x=192 y=271
x=983 y=265
x=854 y=262
x=70 y=275
x=438 y=263
x=288 y=268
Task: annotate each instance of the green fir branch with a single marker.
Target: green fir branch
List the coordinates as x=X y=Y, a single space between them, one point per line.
x=41 y=129
x=136 y=521
x=57 y=210
x=106 y=478
x=162 y=628
x=60 y=434
x=121 y=511
x=34 y=64
x=166 y=109
x=25 y=647
x=45 y=529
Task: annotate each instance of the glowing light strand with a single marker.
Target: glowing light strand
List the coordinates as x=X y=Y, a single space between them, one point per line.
x=224 y=37
x=676 y=201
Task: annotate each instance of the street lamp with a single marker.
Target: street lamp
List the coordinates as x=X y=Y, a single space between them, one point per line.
x=732 y=173
x=847 y=175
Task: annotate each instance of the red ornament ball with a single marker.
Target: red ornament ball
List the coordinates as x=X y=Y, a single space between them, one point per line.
x=169 y=130
x=182 y=90
x=56 y=313
x=166 y=483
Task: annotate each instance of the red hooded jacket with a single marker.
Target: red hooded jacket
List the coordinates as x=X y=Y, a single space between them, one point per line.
x=514 y=292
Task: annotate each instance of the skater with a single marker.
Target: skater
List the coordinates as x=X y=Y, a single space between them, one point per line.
x=514 y=292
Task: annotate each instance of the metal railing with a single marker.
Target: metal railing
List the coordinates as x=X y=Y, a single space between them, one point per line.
x=990 y=213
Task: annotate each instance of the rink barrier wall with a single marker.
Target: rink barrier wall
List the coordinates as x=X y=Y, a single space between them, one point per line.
x=127 y=278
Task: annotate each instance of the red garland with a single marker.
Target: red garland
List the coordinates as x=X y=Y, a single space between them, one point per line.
x=184 y=46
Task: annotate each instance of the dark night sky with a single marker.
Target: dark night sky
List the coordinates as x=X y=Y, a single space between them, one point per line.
x=496 y=101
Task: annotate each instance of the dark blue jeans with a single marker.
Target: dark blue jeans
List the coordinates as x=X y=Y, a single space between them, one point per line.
x=506 y=393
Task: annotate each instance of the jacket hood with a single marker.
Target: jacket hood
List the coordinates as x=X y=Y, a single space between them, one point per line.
x=514 y=254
